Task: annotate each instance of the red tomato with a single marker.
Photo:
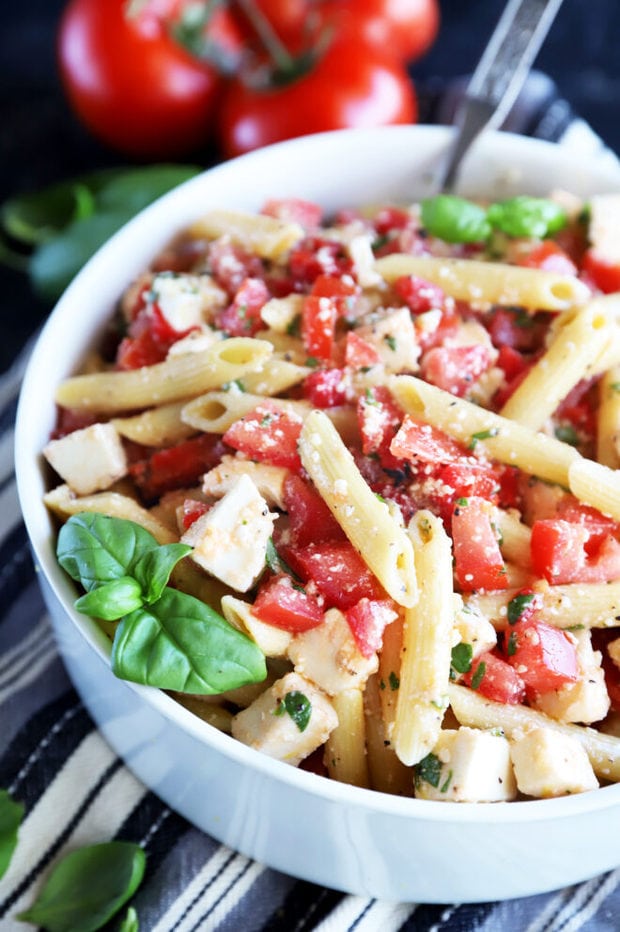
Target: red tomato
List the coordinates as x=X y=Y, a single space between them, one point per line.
x=339 y=572
x=282 y=603
x=550 y=257
x=407 y=27
x=545 y=657
x=268 y=434
x=567 y=551
x=418 y=294
x=294 y=210
x=604 y=275
x=191 y=510
x=418 y=441
x=367 y=620
x=318 y=326
x=478 y=561
x=315 y=257
x=131 y=84
x=310 y=520
x=242 y=317
x=455 y=368
x=286 y=17
x=148 y=340
x=494 y=678
x=325 y=388
x=176 y=467
x=359 y=353
x=379 y=419
x=350 y=85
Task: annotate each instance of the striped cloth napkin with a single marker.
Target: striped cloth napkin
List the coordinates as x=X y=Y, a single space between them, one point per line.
x=77 y=792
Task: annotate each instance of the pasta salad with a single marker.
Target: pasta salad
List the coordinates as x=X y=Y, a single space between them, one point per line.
x=347 y=487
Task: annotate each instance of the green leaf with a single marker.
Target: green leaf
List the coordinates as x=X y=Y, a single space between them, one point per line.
x=112 y=600
x=454 y=219
x=525 y=216
x=462 y=656
x=135 y=188
x=153 y=568
x=96 y=549
x=428 y=770
x=180 y=643
x=11 y=814
x=298 y=707
x=517 y=606
x=88 y=887
x=130 y=921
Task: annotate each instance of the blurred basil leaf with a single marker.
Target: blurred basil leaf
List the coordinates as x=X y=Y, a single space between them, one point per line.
x=11 y=814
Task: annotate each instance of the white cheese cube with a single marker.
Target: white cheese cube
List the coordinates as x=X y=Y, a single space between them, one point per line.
x=330 y=657
x=89 y=459
x=393 y=336
x=230 y=540
x=467 y=766
x=279 y=313
x=187 y=300
x=604 y=229
x=470 y=627
x=268 y=725
x=547 y=763
x=360 y=250
x=197 y=341
x=269 y=480
x=585 y=701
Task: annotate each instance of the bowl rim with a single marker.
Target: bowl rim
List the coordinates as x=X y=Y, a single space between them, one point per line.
x=29 y=476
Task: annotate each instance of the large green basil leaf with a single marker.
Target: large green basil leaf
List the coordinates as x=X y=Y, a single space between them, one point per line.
x=96 y=549
x=88 y=887
x=11 y=814
x=180 y=643
x=153 y=568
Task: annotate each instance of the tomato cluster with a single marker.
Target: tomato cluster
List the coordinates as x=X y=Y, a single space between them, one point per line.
x=162 y=78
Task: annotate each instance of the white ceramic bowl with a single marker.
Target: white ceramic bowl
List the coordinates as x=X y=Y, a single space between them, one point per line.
x=343 y=837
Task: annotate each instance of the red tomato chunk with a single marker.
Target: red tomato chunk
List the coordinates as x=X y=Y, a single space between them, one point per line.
x=282 y=603
x=339 y=572
x=495 y=679
x=478 y=560
x=267 y=434
x=368 y=619
x=566 y=551
x=545 y=657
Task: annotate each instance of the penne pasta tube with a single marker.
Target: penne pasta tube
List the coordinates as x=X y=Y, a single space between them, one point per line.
x=215 y=412
x=500 y=437
x=389 y=672
x=427 y=644
x=345 y=749
x=176 y=378
x=275 y=377
x=267 y=236
x=272 y=641
x=579 y=340
x=475 y=711
x=157 y=427
x=386 y=772
x=596 y=485
x=608 y=420
x=483 y=283
x=377 y=536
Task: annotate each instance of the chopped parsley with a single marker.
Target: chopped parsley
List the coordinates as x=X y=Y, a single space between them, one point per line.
x=298 y=706
x=462 y=656
x=478 y=676
x=511 y=644
x=428 y=770
x=234 y=384
x=482 y=435
x=391 y=341
x=369 y=397
x=274 y=561
x=294 y=326
x=312 y=362
x=517 y=606
x=567 y=434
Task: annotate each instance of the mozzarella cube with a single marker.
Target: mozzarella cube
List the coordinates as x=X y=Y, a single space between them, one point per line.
x=230 y=540
x=548 y=763
x=360 y=250
x=467 y=766
x=470 y=627
x=330 y=657
x=585 y=701
x=268 y=725
x=89 y=459
x=269 y=480
x=197 y=341
x=186 y=300
x=393 y=336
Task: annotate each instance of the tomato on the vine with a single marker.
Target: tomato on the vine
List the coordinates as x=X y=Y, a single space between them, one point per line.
x=131 y=83
x=407 y=28
x=351 y=84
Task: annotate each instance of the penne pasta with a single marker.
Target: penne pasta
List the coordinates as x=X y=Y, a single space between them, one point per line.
x=157 y=427
x=345 y=750
x=608 y=420
x=268 y=237
x=573 y=605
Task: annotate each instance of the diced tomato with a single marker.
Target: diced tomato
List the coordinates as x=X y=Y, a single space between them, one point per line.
x=516 y=328
x=149 y=338
x=339 y=572
x=342 y=290
x=367 y=620
x=192 y=509
x=284 y=604
x=315 y=256
x=418 y=294
x=70 y=419
x=325 y=388
x=318 y=326
x=566 y=551
x=390 y=218
x=359 y=353
x=455 y=368
x=446 y=326
x=310 y=520
x=294 y=210
x=578 y=408
x=605 y=275
x=471 y=478
x=545 y=657
x=230 y=265
x=176 y=467
x=379 y=419
x=269 y=434
x=418 y=441
x=551 y=258
x=511 y=362
x=509 y=491
x=495 y=679
x=478 y=561
x=242 y=317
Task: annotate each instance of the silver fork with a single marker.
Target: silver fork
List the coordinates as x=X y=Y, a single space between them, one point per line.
x=499 y=76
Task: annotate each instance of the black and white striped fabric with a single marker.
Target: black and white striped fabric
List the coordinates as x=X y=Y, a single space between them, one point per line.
x=76 y=791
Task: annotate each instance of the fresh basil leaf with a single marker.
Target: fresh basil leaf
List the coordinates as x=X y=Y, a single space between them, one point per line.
x=11 y=814
x=95 y=549
x=462 y=656
x=428 y=770
x=454 y=219
x=299 y=707
x=88 y=887
x=135 y=188
x=112 y=600
x=527 y=216
x=130 y=921
x=153 y=569
x=180 y=643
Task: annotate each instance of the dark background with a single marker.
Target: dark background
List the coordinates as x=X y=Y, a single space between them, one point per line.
x=40 y=141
